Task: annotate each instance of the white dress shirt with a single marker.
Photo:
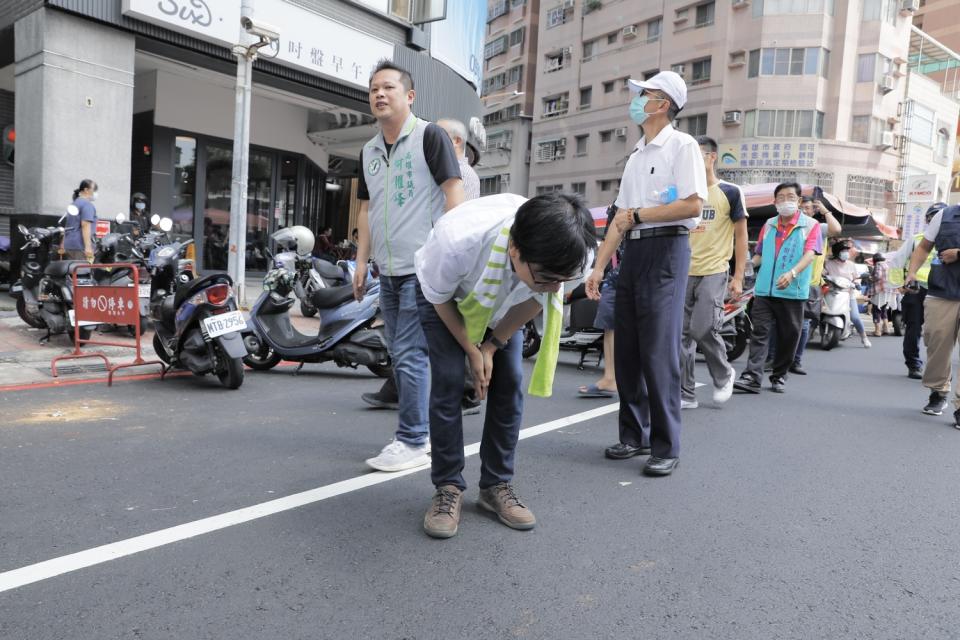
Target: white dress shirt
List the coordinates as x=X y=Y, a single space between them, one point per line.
x=672 y=158
x=451 y=262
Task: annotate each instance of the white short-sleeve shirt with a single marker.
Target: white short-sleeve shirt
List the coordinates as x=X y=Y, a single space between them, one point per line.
x=454 y=257
x=672 y=158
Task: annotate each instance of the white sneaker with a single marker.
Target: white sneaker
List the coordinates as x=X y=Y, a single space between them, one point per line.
x=688 y=404
x=722 y=394
x=866 y=342
x=398 y=456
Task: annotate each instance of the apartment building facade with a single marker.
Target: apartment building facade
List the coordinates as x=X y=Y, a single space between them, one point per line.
x=510 y=73
x=810 y=90
x=940 y=19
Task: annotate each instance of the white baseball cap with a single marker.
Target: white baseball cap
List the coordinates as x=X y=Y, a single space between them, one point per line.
x=668 y=82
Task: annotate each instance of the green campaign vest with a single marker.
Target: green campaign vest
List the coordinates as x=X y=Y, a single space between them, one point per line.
x=898 y=276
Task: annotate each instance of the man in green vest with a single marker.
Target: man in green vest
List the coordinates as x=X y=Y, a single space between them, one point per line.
x=409 y=177
x=784 y=254
x=911 y=305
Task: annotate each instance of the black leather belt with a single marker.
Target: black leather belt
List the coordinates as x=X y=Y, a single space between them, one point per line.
x=654 y=232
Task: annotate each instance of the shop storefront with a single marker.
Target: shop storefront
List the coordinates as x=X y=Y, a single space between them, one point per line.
x=141 y=99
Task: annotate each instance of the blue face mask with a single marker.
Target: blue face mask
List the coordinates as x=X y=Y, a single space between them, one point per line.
x=637 y=105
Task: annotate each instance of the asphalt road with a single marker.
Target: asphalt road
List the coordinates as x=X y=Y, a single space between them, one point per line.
x=828 y=512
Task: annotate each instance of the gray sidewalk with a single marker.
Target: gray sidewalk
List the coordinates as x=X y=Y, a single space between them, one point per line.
x=24 y=360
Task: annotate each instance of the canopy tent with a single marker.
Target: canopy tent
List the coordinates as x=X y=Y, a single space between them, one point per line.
x=857 y=222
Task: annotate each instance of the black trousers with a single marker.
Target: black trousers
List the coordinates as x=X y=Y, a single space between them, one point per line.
x=649 y=326
x=912 y=307
x=787 y=316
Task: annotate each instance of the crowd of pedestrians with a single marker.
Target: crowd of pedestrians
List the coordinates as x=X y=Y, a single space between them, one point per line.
x=461 y=275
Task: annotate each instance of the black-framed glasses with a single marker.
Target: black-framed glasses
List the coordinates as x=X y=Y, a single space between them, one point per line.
x=534 y=275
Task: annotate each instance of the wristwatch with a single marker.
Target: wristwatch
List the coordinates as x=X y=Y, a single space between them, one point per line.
x=492 y=339
x=793 y=273
x=636 y=216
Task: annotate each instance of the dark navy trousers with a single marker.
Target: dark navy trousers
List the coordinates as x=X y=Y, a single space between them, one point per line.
x=649 y=327
x=912 y=308
x=501 y=425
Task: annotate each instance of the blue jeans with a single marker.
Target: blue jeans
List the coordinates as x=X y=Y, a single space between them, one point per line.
x=399 y=298
x=501 y=425
x=855 y=316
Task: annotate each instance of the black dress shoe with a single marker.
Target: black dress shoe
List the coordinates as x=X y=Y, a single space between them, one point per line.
x=660 y=466
x=797 y=369
x=622 y=451
x=915 y=374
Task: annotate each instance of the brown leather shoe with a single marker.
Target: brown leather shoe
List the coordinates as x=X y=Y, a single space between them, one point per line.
x=502 y=500
x=443 y=517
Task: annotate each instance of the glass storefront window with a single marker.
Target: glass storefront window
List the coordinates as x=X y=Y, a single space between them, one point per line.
x=184 y=186
x=216 y=212
x=286 y=210
x=259 y=210
x=216 y=209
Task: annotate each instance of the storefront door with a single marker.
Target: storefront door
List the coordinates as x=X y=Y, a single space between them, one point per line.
x=216 y=212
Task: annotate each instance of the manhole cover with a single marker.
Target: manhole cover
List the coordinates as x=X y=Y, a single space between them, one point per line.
x=72 y=369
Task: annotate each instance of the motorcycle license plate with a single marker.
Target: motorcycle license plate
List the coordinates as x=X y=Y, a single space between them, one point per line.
x=224 y=323
x=83 y=323
x=143 y=291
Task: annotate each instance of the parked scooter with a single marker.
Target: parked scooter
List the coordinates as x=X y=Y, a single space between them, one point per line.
x=350 y=334
x=736 y=327
x=311 y=273
x=835 y=312
x=198 y=326
x=4 y=262
x=44 y=292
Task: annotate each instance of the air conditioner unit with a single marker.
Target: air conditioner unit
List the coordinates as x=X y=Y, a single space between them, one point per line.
x=909 y=6
x=566 y=52
x=568 y=4
x=562 y=143
x=629 y=31
x=620 y=132
x=740 y=3
x=504 y=178
x=678 y=69
x=625 y=84
x=887 y=140
x=888 y=83
x=732 y=117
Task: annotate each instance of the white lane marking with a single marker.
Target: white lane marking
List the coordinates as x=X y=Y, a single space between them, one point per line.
x=23 y=576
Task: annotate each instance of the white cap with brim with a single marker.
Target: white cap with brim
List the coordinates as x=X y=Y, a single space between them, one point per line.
x=669 y=82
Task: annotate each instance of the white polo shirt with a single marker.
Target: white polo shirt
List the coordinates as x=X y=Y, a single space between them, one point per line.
x=672 y=158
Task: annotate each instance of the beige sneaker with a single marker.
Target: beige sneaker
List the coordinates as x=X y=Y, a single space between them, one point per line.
x=443 y=517
x=502 y=500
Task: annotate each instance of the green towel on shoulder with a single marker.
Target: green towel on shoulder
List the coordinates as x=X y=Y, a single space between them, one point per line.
x=477 y=310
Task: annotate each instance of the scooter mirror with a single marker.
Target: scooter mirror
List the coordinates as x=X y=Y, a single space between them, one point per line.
x=155 y=219
x=166 y=224
x=121 y=218
x=23 y=230
x=72 y=210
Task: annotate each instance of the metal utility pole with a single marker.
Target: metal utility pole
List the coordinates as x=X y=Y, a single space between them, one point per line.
x=246 y=52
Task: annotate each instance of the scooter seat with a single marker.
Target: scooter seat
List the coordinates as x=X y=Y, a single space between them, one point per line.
x=328 y=271
x=61 y=268
x=331 y=297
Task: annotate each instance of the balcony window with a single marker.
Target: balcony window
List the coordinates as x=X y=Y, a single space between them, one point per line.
x=701 y=72
x=705 y=14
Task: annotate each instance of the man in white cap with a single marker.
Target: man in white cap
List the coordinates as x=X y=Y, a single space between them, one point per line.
x=662 y=192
